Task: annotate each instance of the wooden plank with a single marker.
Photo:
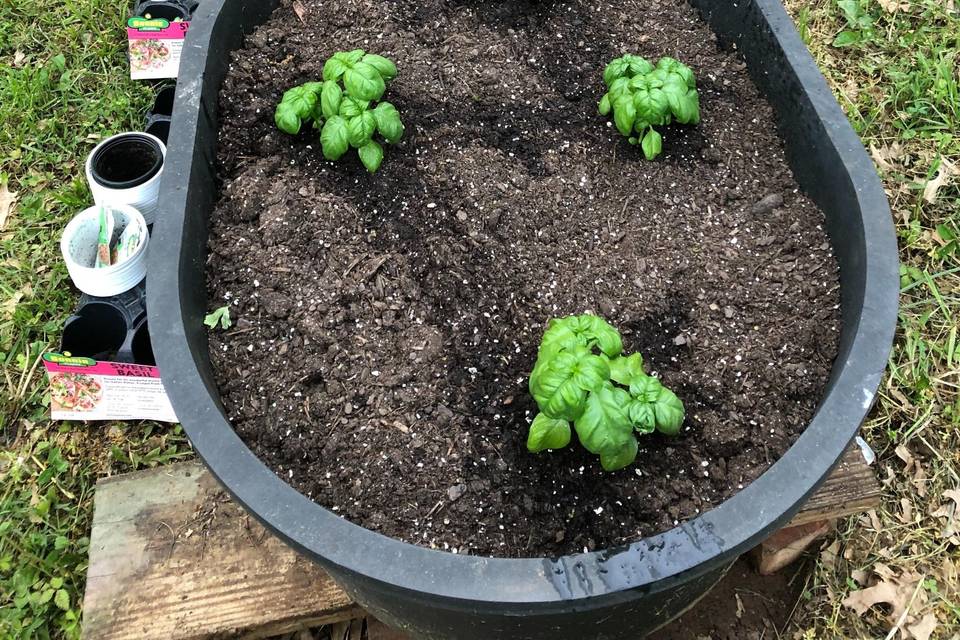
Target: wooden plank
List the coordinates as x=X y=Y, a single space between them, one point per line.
x=171 y=556
x=851 y=488
x=787 y=545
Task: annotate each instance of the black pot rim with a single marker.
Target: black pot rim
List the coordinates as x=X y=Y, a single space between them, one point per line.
x=148 y=5
x=513 y=586
x=140 y=139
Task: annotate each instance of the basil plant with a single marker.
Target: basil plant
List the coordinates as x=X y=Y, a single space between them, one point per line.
x=343 y=107
x=582 y=377
x=642 y=97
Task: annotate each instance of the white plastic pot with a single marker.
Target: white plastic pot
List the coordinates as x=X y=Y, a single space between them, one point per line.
x=125 y=169
x=79 y=247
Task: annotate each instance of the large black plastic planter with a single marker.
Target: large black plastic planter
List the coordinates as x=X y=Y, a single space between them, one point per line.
x=616 y=593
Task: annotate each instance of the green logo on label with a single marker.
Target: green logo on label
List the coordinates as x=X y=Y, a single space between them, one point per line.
x=148 y=24
x=68 y=360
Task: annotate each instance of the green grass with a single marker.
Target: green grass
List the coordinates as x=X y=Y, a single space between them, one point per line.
x=896 y=74
x=63 y=86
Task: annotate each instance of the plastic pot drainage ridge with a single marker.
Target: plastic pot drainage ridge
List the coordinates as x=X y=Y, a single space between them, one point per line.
x=614 y=593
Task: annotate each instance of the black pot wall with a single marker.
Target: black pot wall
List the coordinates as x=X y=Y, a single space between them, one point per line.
x=614 y=593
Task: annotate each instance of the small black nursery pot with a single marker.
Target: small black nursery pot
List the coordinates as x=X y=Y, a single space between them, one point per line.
x=140 y=347
x=112 y=328
x=125 y=161
x=97 y=331
x=125 y=169
x=167 y=9
x=158 y=125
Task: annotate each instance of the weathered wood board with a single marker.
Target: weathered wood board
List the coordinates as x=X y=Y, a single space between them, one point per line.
x=172 y=558
x=851 y=488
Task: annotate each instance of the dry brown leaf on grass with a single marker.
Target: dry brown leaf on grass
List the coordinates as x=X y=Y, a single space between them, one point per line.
x=923 y=629
x=7 y=200
x=904 y=596
x=950 y=512
x=884 y=156
x=906 y=511
x=944 y=175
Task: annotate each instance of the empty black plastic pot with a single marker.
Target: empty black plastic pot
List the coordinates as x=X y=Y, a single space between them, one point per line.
x=167 y=9
x=126 y=161
x=620 y=593
x=97 y=331
x=158 y=125
x=140 y=346
x=163 y=102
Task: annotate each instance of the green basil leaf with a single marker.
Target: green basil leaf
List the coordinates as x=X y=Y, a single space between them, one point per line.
x=619 y=88
x=330 y=98
x=547 y=433
x=604 y=426
x=604 y=106
x=624 y=113
x=615 y=70
x=371 y=155
x=333 y=69
x=624 y=369
x=668 y=411
x=313 y=87
x=286 y=119
x=334 y=138
x=638 y=65
x=386 y=68
x=388 y=122
x=620 y=459
x=350 y=107
x=349 y=57
x=300 y=101
x=686 y=108
x=585 y=330
x=364 y=82
x=657 y=78
x=642 y=416
x=360 y=129
x=561 y=382
x=652 y=144
x=645 y=388
x=651 y=104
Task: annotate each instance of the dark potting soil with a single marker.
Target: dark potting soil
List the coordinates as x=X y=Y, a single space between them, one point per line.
x=386 y=324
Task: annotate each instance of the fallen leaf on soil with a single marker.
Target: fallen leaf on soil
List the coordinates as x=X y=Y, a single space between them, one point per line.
x=828 y=557
x=944 y=175
x=885 y=155
x=923 y=629
x=949 y=511
x=906 y=511
x=300 y=10
x=919 y=481
x=904 y=454
x=883 y=592
x=7 y=200
x=896 y=591
x=860 y=576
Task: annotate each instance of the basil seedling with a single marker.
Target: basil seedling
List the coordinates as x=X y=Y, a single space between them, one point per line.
x=642 y=97
x=581 y=376
x=341 y=107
